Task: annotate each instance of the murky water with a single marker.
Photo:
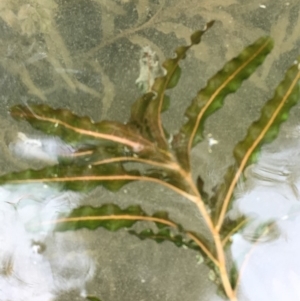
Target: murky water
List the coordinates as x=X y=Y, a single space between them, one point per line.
x=84 y=55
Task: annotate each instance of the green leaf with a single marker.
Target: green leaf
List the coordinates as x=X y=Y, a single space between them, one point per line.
x=262 y=131
x=111 y=213
x=113 y=218
x=273 y=114
x=108 y=216
x=165 y=235
x=180 y=240
x=210 y=98
x=73 y=177
x=79 y=130
x=234 y=276
x=174 y=78
x=153 y=109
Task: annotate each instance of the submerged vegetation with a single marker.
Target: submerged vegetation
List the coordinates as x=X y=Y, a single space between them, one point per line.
x=113 y=154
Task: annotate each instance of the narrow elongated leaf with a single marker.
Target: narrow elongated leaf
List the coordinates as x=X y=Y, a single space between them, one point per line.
x=151 y=111
x=77 y=130
x=113 y=218
x=81 y=177
x=211 y=98
x=234 y=275
x=108 y=216
x=76 y=178
x=273 y=114
x=180 y=240
x=166 y=235
x=264 y=130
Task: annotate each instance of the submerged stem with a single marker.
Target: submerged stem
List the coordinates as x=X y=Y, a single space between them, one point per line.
x=221 y=258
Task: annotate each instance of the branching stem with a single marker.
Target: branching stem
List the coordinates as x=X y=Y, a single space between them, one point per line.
x=221 y=258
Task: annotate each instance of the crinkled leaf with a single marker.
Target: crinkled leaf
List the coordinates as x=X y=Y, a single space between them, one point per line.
x=90 y=218
x=108 y=216
x=113 y=218
x=264 y=130
x=211 y=98
x=77 y=178
x=166 y=235
x=179 y=239
x=153 y=111
x=79 y=130
x=86 y=173
x=273 y=114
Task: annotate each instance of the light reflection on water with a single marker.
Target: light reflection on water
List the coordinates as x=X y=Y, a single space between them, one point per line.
x=270 y=264
x=28 y=270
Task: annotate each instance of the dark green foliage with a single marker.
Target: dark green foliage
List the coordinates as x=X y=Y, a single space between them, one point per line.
x=262 y=131
x=74 y=177
x=234 y=274
x=210 y=98
x=90 y=218
x=113 y=218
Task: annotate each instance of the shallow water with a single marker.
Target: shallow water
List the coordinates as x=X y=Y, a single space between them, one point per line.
x=84 y=55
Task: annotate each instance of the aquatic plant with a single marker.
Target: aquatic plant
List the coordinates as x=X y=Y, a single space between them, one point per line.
x=113 y=154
